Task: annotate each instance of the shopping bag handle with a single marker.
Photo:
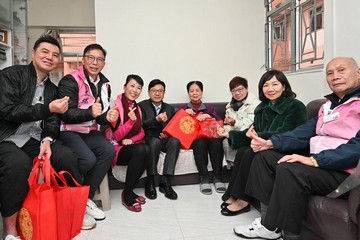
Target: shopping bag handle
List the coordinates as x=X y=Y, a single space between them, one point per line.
x=40 y=173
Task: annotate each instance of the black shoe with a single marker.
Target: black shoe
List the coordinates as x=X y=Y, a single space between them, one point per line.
x=226 y=212
x=169 y=192
x=150 y=190
x=224 y=205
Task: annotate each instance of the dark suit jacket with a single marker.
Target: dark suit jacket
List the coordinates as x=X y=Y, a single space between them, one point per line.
x=152 y=127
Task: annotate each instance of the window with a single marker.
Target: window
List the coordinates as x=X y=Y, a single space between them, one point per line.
x=73 y=45
x=294 y=34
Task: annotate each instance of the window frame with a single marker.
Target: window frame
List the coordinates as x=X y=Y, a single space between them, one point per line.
x=298 y=46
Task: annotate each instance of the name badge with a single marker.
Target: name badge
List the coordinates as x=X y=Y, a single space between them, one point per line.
x=331 y=117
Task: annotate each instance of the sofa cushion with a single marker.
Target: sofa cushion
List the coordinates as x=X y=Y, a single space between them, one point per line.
x=321 y=212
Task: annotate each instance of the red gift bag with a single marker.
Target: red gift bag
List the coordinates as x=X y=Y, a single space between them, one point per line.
x=208 y=128
x=66 y=205
x=37 y=217
x=184 y=127
x=70 y=205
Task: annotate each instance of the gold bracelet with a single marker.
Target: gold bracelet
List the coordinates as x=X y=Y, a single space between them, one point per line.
x=314 y=162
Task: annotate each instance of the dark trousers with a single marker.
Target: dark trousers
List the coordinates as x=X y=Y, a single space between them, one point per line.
x=171 y=146
x=134 y=156
x=286 y=188
x=202 y=149
x=239 y=175
x=15 y=167
x=95 y=156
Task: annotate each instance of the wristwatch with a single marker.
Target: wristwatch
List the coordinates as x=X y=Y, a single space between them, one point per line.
x=47 y=139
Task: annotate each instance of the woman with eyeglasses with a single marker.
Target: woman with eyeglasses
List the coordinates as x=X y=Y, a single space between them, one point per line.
x=278 y=112
x=204 y=148
x=127 y=136
x=239 y=114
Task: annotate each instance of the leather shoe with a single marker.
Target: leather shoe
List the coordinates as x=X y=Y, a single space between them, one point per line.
x=150 y=190
x=226 y=212
x=224 y=205
x=169 y=192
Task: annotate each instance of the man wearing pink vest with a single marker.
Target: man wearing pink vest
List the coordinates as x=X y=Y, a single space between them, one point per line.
x=89 y=106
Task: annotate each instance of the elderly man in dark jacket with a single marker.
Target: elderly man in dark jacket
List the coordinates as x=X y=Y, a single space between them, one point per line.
x=156 y=114
x=284 y=183
x=29 y=125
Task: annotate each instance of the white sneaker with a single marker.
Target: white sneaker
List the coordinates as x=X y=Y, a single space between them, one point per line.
x=88 y=222
x=11 y=237
x=256 y=230
x=94 y=211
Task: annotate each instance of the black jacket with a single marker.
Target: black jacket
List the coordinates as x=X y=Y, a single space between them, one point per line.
x=68 y=87
x=152 y=127
x=17 y=89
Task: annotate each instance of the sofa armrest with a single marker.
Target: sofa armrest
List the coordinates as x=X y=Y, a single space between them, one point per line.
x=354 y=205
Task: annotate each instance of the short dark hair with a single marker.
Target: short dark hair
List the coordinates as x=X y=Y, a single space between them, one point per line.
x=280 y=76
x=156 y=82
x=237 y=81
x=196 y=83
x=92 y=47
x=137 y=78
x=48 y=39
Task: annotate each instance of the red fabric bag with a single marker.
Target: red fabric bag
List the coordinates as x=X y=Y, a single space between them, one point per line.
x=52 y=209
x=70 y=205
x=37 y=217
x=184 y=127
x=208 y=128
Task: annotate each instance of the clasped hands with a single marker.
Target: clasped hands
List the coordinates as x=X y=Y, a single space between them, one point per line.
x=200 y=117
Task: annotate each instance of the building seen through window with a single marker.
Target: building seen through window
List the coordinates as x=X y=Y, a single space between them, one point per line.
x=294 y=34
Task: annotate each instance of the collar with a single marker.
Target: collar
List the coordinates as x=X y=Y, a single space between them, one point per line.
x=335 y=100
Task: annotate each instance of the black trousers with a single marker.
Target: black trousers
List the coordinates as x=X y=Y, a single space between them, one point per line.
x=285 y=188
x=95 y=155
x=202 y=149
x=134 y=156
x=16 y=165
x=171 y=146
x=239 y=175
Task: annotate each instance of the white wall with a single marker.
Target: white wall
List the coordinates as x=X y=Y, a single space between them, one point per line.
x=182 y=40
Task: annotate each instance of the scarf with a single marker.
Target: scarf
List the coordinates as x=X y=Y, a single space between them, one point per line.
x=235 y=105
x=137 y=126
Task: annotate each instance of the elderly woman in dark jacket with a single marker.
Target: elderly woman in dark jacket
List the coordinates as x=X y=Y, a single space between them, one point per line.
x=278 y=112
x=202 y=148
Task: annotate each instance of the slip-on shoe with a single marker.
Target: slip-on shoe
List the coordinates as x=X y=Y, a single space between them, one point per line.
x=224 y=205
x=226 y=212
x=136 y=207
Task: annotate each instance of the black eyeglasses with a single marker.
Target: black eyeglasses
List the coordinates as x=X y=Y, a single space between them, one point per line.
x=92 y=58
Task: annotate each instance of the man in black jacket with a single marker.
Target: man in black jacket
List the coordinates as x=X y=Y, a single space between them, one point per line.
x=29 y=125
x=156 y=114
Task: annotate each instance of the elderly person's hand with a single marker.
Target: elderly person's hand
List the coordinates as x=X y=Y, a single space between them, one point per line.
x=222 y=132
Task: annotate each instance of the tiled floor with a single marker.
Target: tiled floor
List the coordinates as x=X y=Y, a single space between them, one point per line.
x=193 y=216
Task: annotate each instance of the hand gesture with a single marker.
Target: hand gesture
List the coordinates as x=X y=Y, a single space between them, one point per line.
x=202 y=117
x=259 y=144
x=127 y=142
x=228 y=120
x=190 y=111
x=162 y=117
x=251 y=133
x=96 y=108
x=45 y=149
x=59 y=105
x=163 y=135
x=222 y=132
x=113 y=114
x=132 y=114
